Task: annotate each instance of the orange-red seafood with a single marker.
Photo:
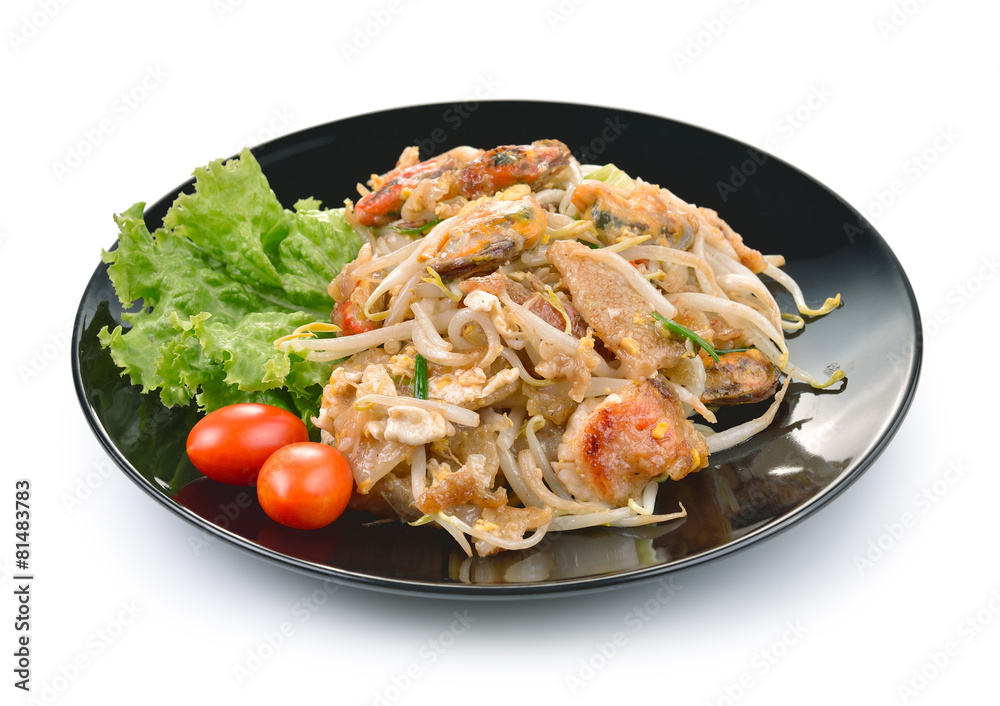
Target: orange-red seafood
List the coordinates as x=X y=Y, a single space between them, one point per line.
x=383 y=205
x=512 y=164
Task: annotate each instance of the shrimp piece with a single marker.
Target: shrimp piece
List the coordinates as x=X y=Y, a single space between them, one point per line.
x=350 y=316
x=619 y=215
x=383 y=205
x=513 y=164
x=488 y=234
x=350 y=294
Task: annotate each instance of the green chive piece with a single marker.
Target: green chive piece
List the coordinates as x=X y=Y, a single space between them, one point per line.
x=419 y=230
x=420 y=378
x=676 y=328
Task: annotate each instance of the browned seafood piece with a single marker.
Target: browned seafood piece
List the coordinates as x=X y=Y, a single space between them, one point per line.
x=512 y=164
x=383 y=204
x=740 y=377
x=611 y=451
x=618 y=215
x=618 y=314
x=488 y=235
x=468 y=485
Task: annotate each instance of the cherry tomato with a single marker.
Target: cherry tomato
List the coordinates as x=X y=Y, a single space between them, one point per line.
x=305 y=485
x=231 y=444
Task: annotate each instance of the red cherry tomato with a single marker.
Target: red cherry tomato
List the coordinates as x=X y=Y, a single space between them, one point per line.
x=305 y=486
x=231 y=444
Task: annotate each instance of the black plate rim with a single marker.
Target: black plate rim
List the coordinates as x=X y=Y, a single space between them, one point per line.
x=516 y=591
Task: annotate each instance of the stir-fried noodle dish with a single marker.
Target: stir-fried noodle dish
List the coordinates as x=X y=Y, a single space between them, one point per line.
x=528 y=344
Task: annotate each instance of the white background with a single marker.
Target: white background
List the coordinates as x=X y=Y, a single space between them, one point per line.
x=123 y=602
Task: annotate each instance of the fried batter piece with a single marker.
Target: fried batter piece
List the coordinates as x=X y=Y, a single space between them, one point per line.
x=613 y=448
x=612 y=308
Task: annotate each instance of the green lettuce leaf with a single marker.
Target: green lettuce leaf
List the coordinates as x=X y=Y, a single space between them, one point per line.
x=230 y=271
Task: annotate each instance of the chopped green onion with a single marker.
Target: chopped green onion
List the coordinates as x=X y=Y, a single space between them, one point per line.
x=592 y=246
x=676 y=328
x=418 y=230
x=420 y=378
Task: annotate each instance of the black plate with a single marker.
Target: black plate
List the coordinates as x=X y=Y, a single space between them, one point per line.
x=819 y=443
